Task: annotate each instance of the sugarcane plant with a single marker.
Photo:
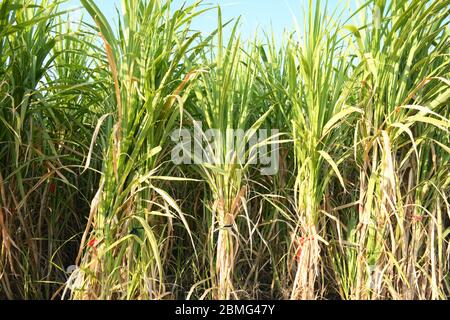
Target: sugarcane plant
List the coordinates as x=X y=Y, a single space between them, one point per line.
x=129 y=225
x=399 y=230
x=225 y=102
x=43 y=135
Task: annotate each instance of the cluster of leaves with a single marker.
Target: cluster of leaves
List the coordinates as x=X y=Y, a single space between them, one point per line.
x=357 y=210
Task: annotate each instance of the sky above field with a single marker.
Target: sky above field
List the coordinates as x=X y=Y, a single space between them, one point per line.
x=276 y=15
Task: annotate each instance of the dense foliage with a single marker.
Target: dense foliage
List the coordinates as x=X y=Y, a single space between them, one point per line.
x=357 y=210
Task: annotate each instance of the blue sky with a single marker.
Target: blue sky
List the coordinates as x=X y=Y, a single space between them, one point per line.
x=276 y=15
